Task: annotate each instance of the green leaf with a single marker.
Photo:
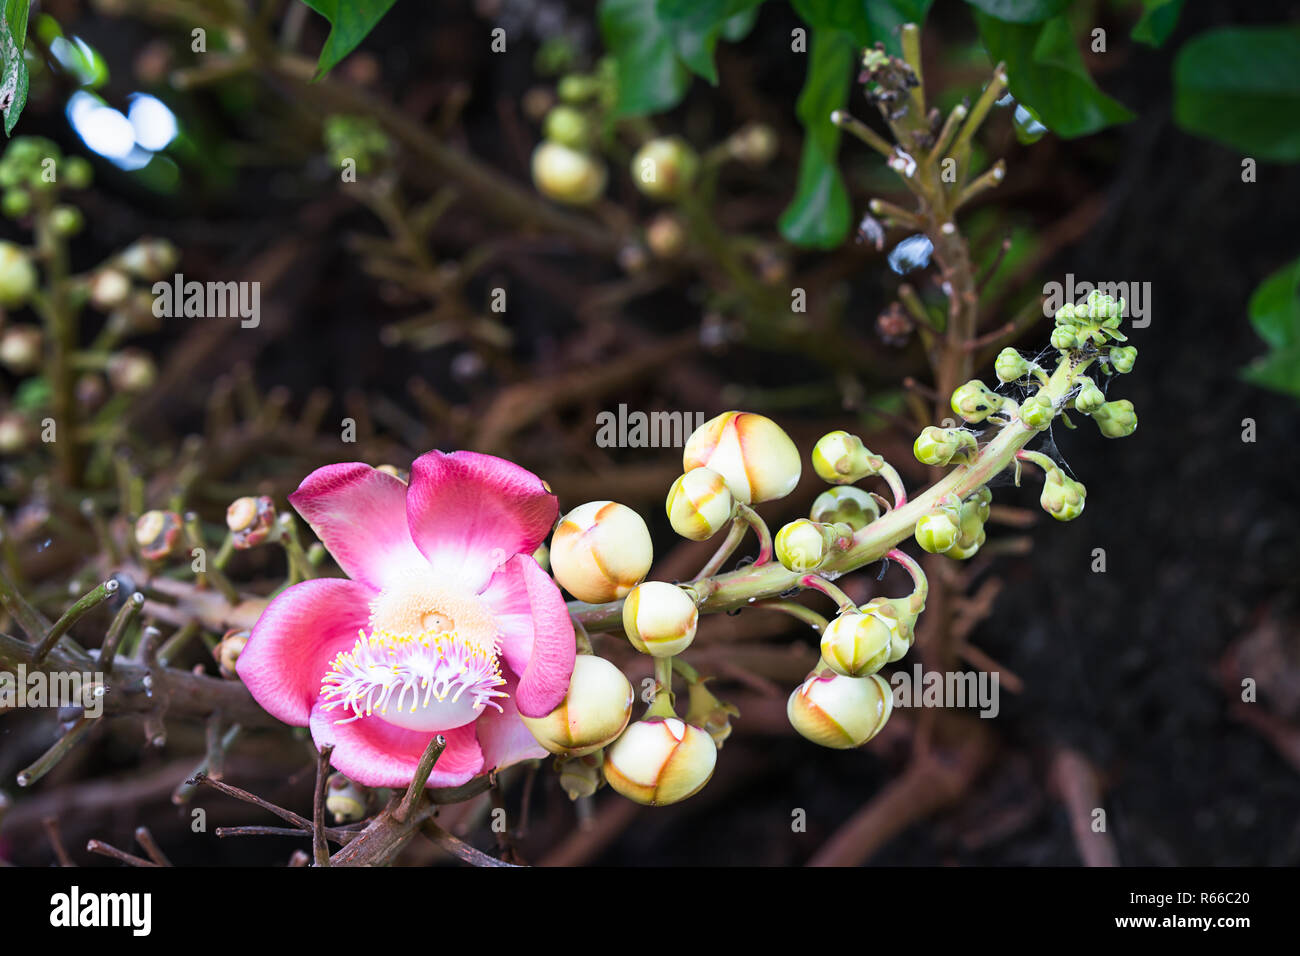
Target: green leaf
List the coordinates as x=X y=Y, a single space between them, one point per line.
x=1241 y=86
x=350 y=22
x=820 y=213
x=13 y=66
x=651 y=77
x=867 y=21
x=1159 y=17
x=1275 y=314
x=1045 y=71
x=1021 y=11
x=696 y=27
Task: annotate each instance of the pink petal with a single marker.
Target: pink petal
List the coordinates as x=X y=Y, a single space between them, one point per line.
x=359 y=514
x=377 y=754
x=294 y=640
x=502 y=735
x=470 y=513
x=537 y=639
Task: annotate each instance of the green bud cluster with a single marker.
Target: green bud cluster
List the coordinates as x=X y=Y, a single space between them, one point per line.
x=1090 y=397
x=1095 y=321
x=359 y=139
x=942 y=446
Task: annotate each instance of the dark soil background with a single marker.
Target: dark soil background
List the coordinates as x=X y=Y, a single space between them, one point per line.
x=1198 y=526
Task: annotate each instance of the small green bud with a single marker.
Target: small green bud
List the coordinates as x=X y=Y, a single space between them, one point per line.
x=802 y=545
x=1090 y=397
x=1010 y=365
x=1037 y=411
x=1065 y=313
x=66 y=220
x=1063 y=338
x=1062 y=497
x=567 y=126
x=937 y=531
x=567 y=175
x=17 y=275
x=841 y=459
x=940 y=446
x=845 y=505
x=77 y=172
x=17 y=203
x=972 y=514
x=1122 y=358
x=975 y=401
x=576 y=88
x=664 y=168
x=1116 y=419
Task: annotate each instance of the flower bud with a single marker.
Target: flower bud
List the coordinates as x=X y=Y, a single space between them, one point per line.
x=699 y=504
x=845 y=504
x=543 y=556
x=1062 y=497
x=940 y=446
x=567 y=175
x=20 y=348
x=856 y=644
x=973 y=513
x=975 y=401
x=158 y=533
x=149 y=259
x=754 y=144
x=840 y=712
x=710 y=714
x=15 y=432
x=109 y=288
x=594 y=711
x=228 y=650
x=16 y=203
x=753 y=454
x=250 y=520
x=567 y=126
x=660 y=618
x=938 y=530
x=77 y=172
x=898 y=616
x=1116 y=419
x=1064 y=338
x=666 y=236
x=1122 y=358
x=1090 y=397
x=841 y=459
x=580 y=776
x=1010 y=365
x=17 y=275
x=1037 y=411
x=660 y=761
x=803 y=545
x=600 y=551
x=346 y=801
x=131 y=371
x=66 y=220
x=664 y=168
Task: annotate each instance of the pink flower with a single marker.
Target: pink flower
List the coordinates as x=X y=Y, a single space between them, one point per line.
x=447 y=624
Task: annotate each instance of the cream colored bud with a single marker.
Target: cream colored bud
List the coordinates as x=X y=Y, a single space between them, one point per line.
x=20 y=348
x=840 y=712
x=228 y=650
x=251 y=521
x=664 y=168
x=660 y=619
x=594 y=711
x=157 y=533
x=753 y=454
x=109 y=288
x=802 y=545
x=15 y=432
x=346 y=801
x=131 y=370
x=17 y=275
x=660 y=761
x=699 y=504
x=841 y=459
x=601 y=551
x=856 y=644
x=568 y=175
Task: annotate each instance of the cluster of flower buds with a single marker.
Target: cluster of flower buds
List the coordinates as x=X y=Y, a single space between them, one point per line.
x=32 y=166
x=1092 y=323
x=251 y=521
x=565 y=166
